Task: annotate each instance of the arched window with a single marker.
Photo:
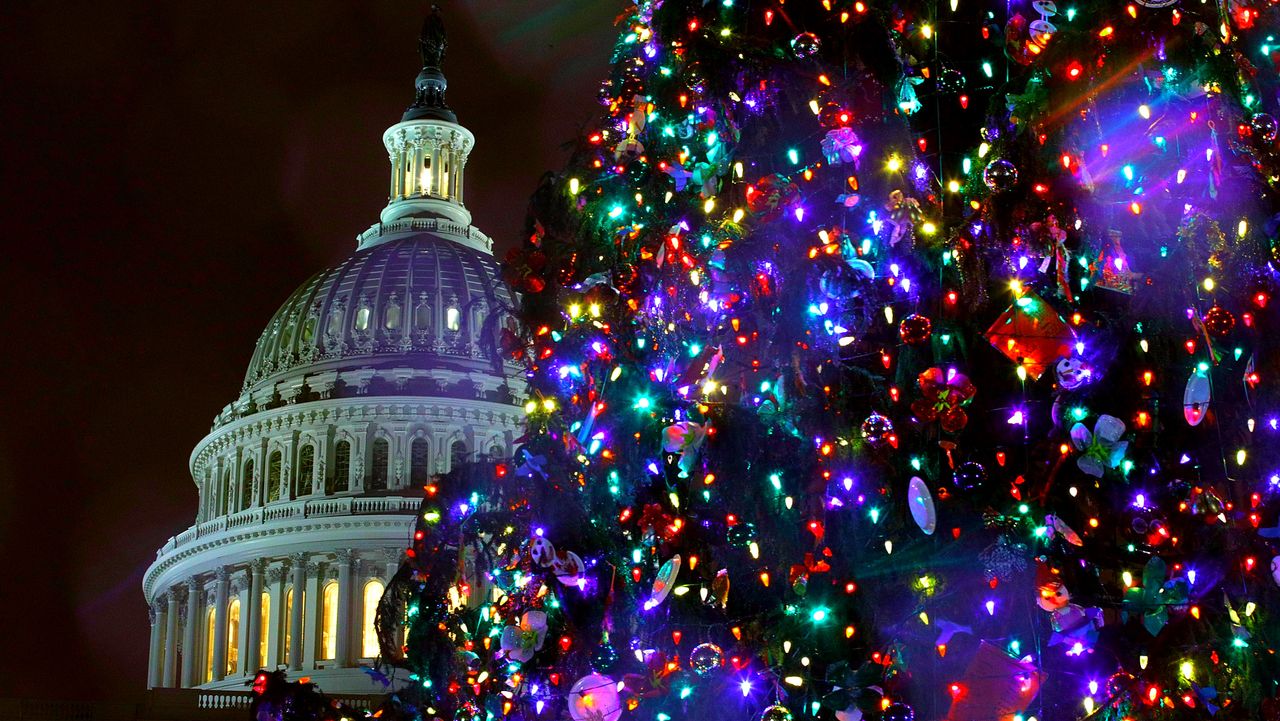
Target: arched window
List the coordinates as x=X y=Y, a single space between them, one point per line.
x=422 y=317
x=362 y=318
x=288 y=625
x=334 y=327
x=452 y=318
x=264 y=622
x=419 y=458
x=369 y=636
x=329 y=621
x=391 y=317
x=273 y=476
x=246 y=486
x=381 y=460
x=209 y=629
x=233 y=636
x=309 y=329
x=306 y=469
x=457 y=454
x=341 y=467
x=286 y=337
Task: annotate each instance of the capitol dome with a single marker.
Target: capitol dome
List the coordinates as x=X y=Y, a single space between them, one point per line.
x=414 y=300
x=374 y=376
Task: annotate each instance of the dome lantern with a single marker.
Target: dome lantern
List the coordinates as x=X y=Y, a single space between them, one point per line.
x=428 y=149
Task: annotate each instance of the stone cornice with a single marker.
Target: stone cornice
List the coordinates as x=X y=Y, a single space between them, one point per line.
x=172 y=565
x=322 y=413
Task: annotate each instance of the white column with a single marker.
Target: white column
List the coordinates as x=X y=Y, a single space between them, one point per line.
x=299 y=570
x=311 y=622
x=253 y=627
x=275 y=623
x=189 y=653
x=170 y=678
x=220 y=624
x=345 y=558
x=156 y=656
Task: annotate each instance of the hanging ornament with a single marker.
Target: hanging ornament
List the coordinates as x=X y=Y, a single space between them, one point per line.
x=776 y=712
x=695 y=79
x=1071 y=373
x=942 y=395
x=920 y=501
x=904 y=215
x=805 y=45
x=950 y=80
x=841 y=145
x=969 y=476
x=1101 y=449
x=741 y=533
x=772 y=196
x=604 y=658
x=1195 y=399
x=1219 y=321
x=595 y=698
x=522 y=641
x=1264 y=127
x=876 y=430
x=568 y=568
x=1000 y=175
x=706 y=658
x=840 y=283
x=542 y=551
x=898 y=712
x=685 y=438
x=915 y=329
x=664 y=582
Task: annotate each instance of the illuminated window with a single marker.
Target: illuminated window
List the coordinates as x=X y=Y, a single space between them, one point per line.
x=264 y=618
x=309 y=330
x=341 y=467
x=369 y=637
x=381 y=459
x=452 y=318
x=288 y=625
x=419 y=457
x=246 y=486
x=391 y=317
x=233 y=636
x=306 y=469
x=274 y=464
x=329 y=621
x=209 y=628
x=362 y=318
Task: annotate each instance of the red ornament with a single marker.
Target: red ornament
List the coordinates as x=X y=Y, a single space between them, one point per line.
x=915 y=329
x=1219 y=321
x=942 y=395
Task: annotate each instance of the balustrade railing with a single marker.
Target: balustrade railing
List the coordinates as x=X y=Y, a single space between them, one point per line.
x=288 y=510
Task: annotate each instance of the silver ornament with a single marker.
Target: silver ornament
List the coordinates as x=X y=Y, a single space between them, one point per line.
x=705 y=658
x=1000 y=175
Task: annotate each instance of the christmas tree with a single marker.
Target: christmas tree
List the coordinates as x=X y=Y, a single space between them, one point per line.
x=886 y=360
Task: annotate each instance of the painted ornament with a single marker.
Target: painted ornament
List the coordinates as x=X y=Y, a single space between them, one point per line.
x=594 y=697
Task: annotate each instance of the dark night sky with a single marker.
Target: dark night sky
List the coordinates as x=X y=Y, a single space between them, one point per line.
x=170 y=172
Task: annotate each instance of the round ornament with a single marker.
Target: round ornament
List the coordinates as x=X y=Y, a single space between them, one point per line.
x=1000 y=175
x=604 y=657
x=1219 y=321
x=877 y=429
x=898 y=712
x=741 y=533
x=950 y=80
x=969 y=476
x=706 y=658
x=1071 y=373
x=1264 y=126
x=776 y=712
x=915 y=329
x=568 y=568
x=805 y=45
x=840 y=283
x=695 y=79
x=595 y=698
